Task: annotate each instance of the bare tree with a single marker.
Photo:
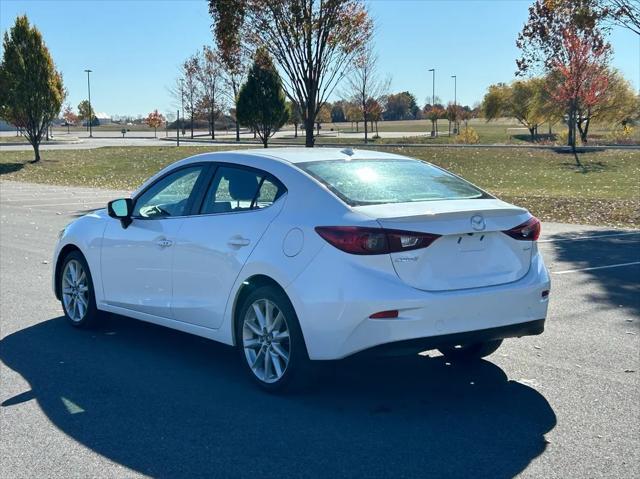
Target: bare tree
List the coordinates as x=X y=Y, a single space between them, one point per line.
x=177 y=93
x=312 y=41
x=189 y=76
x=209 y=77
x=365 y=85
x=625 y=13
x=234 y=75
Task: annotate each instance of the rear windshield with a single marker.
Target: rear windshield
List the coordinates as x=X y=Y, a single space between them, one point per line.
x=371 y=182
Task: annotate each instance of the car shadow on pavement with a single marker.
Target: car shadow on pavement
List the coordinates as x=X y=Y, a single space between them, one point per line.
x=168 y=404
x=619 y=286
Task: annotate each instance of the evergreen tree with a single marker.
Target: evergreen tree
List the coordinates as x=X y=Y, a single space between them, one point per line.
x=31 y=89
x=261 y=101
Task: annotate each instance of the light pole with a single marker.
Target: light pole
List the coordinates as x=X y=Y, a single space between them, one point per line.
x=455 y=104
x=182 y=100
x=433 y=97
x=90 y=109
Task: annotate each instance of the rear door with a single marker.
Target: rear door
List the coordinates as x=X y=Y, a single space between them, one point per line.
x=214 y=245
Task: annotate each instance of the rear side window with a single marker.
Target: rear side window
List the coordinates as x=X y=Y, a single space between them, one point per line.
x=370 y=182
x=240 y=189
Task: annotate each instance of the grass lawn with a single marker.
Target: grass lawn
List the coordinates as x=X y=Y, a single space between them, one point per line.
x=12 y=139
x=500 y=131
x=605 y=192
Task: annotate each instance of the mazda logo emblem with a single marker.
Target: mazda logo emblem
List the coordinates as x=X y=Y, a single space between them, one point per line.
x=477 y=222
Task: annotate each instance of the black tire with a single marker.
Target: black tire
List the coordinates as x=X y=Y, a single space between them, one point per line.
x=92 y=316
x=471 y=352
x=297 y=373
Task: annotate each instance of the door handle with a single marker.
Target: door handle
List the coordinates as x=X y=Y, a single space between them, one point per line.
x=238 y=241
x=164 y=243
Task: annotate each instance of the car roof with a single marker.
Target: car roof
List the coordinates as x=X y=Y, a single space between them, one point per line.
x=305 y=155
x=292 y=156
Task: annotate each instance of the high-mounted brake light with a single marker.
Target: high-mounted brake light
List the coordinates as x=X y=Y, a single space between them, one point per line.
x=367 y=241
x=527 y=231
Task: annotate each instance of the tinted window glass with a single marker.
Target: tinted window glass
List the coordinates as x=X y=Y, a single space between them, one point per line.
x=364 y=182
x=168 y=196
x=269 y=193
x=239 y=189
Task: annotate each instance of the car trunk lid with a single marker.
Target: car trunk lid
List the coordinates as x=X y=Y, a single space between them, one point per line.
x=472 y=250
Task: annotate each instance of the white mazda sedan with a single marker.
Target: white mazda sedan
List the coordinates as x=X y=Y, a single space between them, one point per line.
x=300 y=255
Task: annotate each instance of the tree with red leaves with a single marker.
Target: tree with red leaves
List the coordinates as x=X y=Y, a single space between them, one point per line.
x=581 y=75
x=69 y=117
x=154 y=120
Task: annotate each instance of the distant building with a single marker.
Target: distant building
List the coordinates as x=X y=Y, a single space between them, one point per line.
x=103 y=118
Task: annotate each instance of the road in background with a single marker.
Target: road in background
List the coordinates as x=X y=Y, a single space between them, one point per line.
x=133 y=399
x=81 y=140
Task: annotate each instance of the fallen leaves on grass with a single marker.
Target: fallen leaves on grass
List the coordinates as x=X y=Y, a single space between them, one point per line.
x=605 y=192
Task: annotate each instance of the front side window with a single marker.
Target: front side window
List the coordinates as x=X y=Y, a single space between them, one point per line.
x=168 y=196
x=240 y=189
x=370 y=182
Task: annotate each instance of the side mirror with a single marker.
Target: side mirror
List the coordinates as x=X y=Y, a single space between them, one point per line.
x=121 y=209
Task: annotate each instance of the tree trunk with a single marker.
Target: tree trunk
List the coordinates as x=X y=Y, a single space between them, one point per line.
x=366 y=133
x=308 y=131
x=237 y=131
x=36 y=152
x=532 y=132
x=572 y=134
x=155 y=132
x=584 y=131
x=295 y=125
x=192 y=126
x=68 y=128
x=571 y=125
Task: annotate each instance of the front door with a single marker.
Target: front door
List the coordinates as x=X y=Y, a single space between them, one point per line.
x=213 y=246
x=136 y=261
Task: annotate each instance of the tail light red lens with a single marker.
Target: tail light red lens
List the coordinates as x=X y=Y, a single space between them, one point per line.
x=391 y=314
x=361 y=240
x=527 y=231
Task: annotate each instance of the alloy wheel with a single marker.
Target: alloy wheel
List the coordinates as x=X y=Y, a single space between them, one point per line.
x=266 y=342
x=75 y=290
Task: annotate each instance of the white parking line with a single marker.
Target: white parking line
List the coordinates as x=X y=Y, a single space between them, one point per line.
x=581 y=238
x=594 y=268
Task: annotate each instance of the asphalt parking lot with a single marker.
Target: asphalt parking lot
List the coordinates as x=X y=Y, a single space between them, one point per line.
x=132 y=399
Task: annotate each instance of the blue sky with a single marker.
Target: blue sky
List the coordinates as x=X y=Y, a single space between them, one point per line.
x=135 y=47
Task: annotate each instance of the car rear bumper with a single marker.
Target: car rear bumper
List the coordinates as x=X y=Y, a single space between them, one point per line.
x=334 y=309
x=414 y=346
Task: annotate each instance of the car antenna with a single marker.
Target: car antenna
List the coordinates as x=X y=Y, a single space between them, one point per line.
x=347 y=151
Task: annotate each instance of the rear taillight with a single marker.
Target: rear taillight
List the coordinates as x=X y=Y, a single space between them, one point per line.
x=360 y=240
x=528 y=231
